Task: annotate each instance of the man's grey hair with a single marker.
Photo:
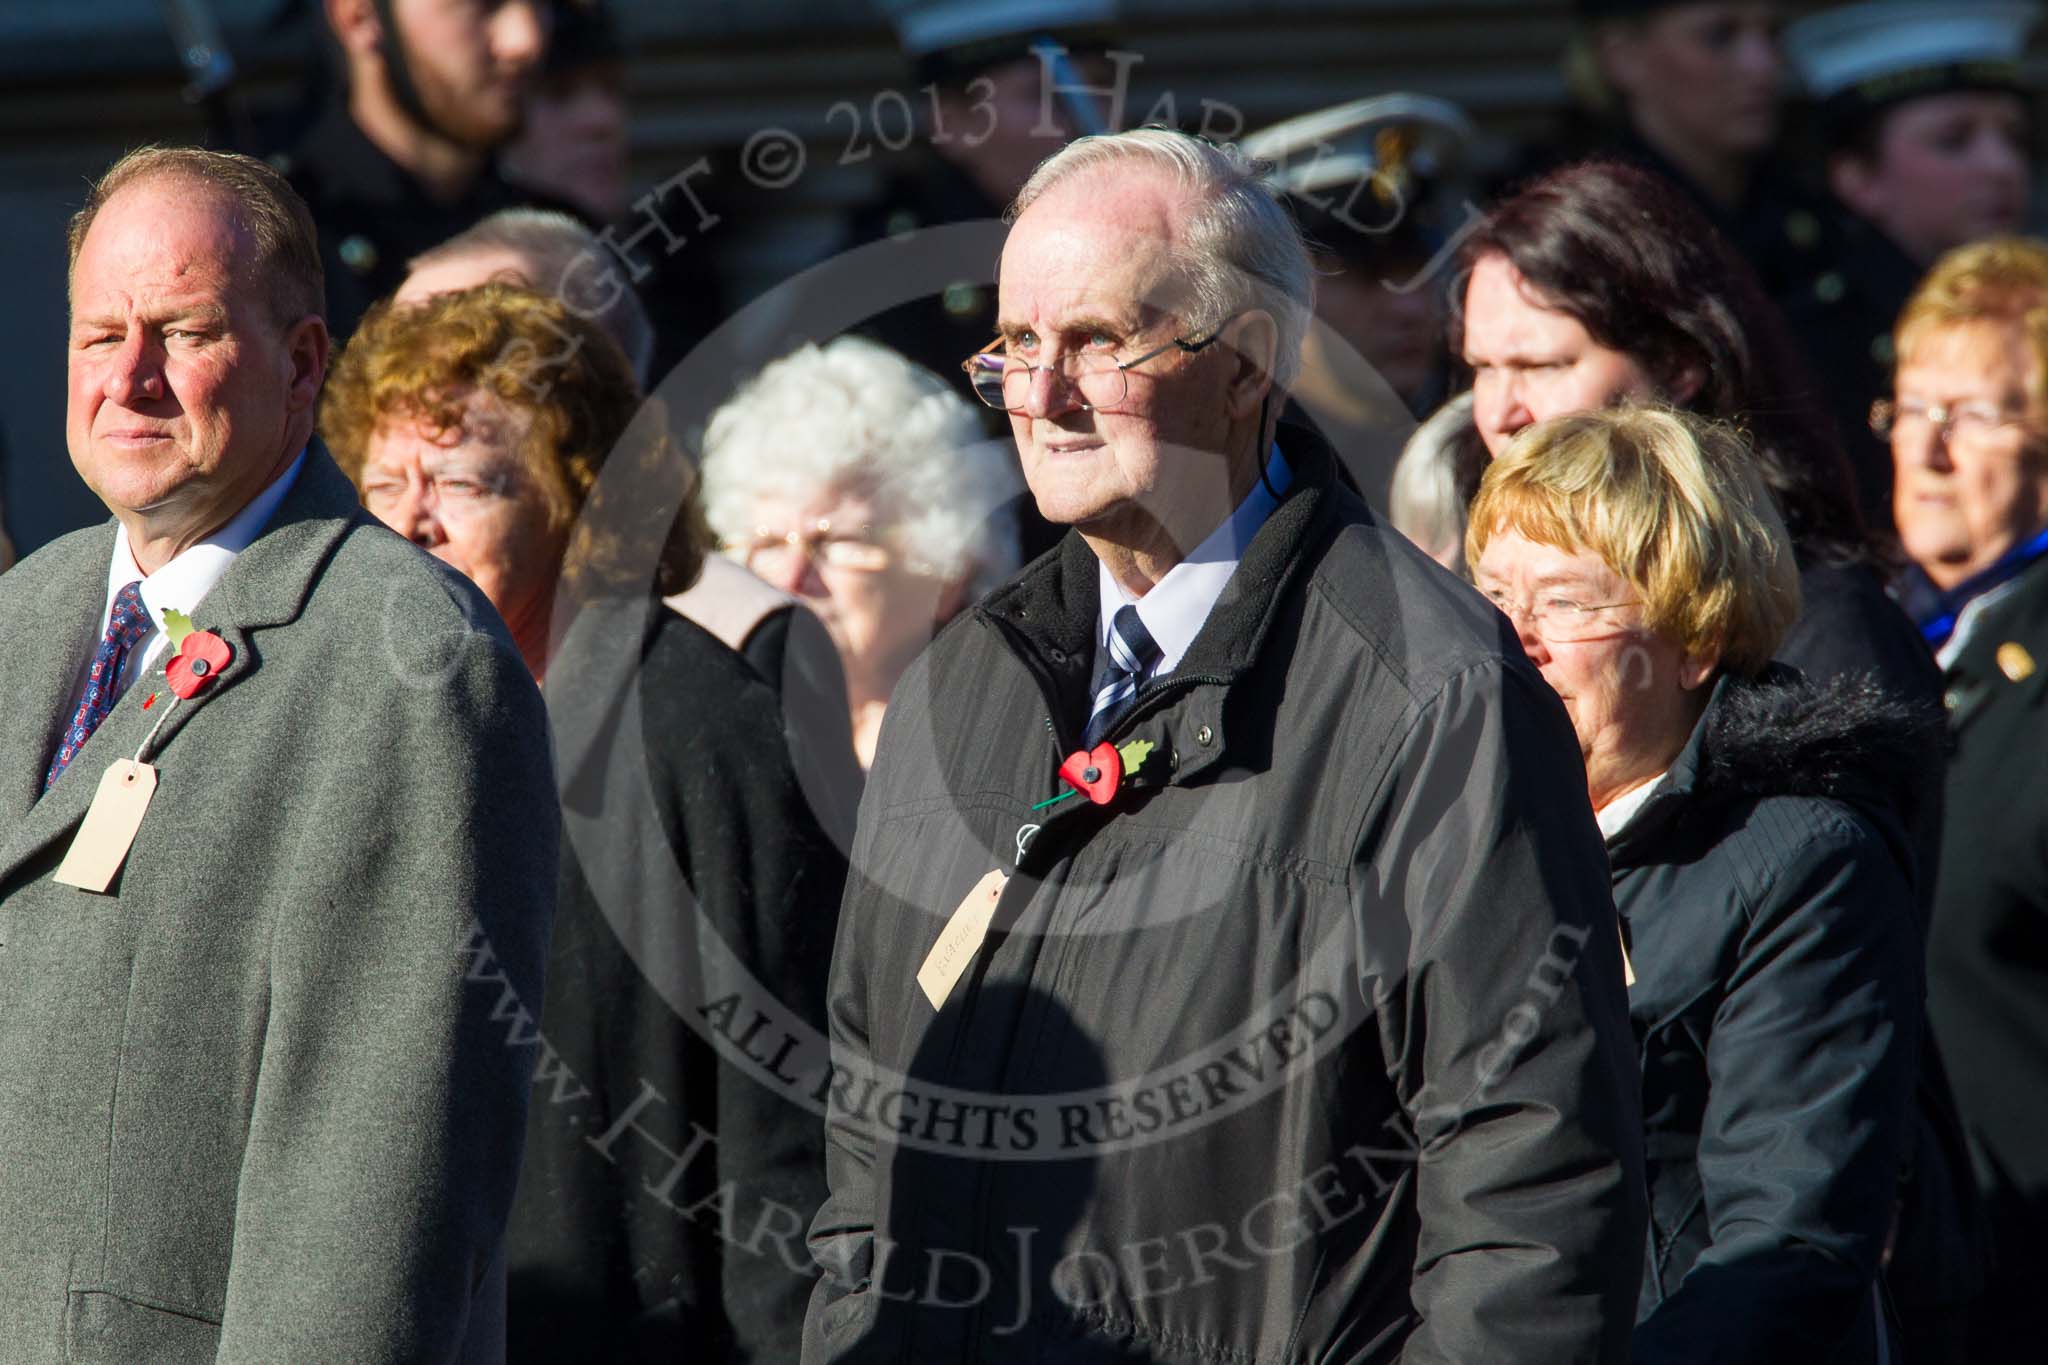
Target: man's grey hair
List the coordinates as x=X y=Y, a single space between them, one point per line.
x=1243 y=249
x=567 y=260
x=855 y=417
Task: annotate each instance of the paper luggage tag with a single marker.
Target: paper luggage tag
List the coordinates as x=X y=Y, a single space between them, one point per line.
x=1628 y=968
x=959 y=940
x=102 y=842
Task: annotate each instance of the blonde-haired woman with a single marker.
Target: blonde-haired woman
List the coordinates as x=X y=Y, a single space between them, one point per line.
x=1757 y=865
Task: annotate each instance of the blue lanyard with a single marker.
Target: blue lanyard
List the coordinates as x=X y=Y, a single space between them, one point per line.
x=1937 y=628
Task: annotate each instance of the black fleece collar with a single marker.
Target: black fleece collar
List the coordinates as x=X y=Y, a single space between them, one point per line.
x=1782 y=734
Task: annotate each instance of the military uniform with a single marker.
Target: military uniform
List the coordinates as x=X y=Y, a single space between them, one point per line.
x=373 y=216
x=1988 y=947
x=956 y=319
x=1859 y=63
x=1841 y=312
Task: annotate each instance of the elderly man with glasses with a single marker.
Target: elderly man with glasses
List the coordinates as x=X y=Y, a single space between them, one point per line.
x=1229 y=969
x=1969 y=437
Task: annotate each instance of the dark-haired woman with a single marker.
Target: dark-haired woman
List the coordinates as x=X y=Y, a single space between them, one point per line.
x=1600 y=284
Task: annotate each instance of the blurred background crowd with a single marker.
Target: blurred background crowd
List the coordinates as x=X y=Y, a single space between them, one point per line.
x=771 y=136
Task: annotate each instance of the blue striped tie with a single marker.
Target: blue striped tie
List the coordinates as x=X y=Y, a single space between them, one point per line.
x=1132 y=654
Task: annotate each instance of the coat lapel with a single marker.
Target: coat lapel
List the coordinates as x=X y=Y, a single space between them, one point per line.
x=266 y=586
x=1986 y=667
x=49 y=646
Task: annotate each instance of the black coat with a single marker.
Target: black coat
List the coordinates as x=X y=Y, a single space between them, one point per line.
x=1841 y=311
x=1352 y=902
x=1988 y=954
x=1778 y=1003
x=795 y=656
x=1849 y=628
x=614 y=1255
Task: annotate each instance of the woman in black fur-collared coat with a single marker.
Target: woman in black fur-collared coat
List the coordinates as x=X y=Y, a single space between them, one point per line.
x=1759 y=867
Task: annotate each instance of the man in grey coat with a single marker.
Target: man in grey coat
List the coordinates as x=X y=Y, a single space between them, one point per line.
x=277 y=835
x=1228 y=970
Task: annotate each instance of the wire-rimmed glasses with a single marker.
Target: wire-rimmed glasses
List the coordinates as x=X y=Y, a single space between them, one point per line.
x=772 y=553
x=1098 y=378
x=1966 y=422
x=1558 y=618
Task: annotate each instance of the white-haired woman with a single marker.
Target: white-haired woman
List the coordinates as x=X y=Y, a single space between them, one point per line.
x=862 y=484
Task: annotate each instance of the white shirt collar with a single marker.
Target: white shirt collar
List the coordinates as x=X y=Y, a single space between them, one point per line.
x=184 y=582
x=1173 y=612
x=1614 y=817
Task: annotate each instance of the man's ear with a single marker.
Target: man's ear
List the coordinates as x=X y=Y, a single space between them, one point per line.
x=355 y=25
x=1854 y=181
x=1252 y=341
x=307 y=343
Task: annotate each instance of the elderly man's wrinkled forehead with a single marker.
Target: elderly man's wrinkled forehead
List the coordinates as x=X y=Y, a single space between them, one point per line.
x=1101 y=248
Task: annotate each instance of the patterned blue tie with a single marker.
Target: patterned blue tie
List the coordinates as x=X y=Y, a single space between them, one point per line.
x=126 y=623
x=1132 y=654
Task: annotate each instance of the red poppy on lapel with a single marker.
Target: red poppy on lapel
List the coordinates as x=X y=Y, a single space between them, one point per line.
x=200 y=658
x=1095 y=773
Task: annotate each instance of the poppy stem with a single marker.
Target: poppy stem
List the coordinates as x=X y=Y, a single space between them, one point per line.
x=1056 y=800
x=150 y=738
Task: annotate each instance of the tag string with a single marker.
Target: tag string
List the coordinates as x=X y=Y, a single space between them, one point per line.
x=150 y=738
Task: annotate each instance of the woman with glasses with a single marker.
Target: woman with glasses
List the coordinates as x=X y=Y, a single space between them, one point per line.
x=1776 y=990
x=1969 y=440
x=861 y=484
x=478 y=424
x=1598 y=284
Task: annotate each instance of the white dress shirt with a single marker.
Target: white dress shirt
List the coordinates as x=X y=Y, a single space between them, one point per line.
x=1173 y=612
x=184 y=582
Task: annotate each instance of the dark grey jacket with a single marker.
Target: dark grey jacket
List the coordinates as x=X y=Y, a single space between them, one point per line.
x=1351 y=908
x=258 y=1103
x=1778 y=1001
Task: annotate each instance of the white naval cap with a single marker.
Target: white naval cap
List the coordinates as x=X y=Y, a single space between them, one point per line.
x=925 y=27
x=1397 y=133
x=1880 y=51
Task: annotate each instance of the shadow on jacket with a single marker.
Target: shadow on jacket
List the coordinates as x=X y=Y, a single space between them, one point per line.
x=1779 y=1005
x=1003 y=1288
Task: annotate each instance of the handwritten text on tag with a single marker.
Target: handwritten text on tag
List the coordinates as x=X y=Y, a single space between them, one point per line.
x=959 y=940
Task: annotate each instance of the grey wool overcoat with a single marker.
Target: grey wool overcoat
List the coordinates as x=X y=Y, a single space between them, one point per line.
x=258 y=1102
